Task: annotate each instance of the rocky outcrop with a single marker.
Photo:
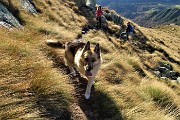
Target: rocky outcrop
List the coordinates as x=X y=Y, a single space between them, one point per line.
x=7 y=19
x=86 y=3
x=113 y=17
x=80 y=3
x=28 y=5
x=164 y=70
x=91 y=3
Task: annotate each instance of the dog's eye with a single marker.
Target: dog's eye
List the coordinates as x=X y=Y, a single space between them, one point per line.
x=86 y=59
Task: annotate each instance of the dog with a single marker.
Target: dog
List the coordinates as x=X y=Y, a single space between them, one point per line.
x=81 y=57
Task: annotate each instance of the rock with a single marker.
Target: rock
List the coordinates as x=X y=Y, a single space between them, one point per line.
x=163 y=69
x=4 y=24
x=174 y=75
x=168 y=66
x=178 y=80
x=28 y=5
x=157 y=73
x=88 y=3
x=166 y=70
x=163 y=77
x=80 y=3
x=91 y=4
x=113 y=17
x=7 y=19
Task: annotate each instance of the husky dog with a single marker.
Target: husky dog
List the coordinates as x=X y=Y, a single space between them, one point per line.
x=79 y=56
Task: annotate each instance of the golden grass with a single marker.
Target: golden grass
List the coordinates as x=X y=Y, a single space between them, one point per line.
x=29 y=79
x=120 y=78
x=26 y=71
x=167 y=38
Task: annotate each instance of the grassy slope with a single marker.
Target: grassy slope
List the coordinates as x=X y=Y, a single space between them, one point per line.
x=34 y=87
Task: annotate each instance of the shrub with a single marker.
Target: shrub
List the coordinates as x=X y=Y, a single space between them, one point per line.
x=157 y=95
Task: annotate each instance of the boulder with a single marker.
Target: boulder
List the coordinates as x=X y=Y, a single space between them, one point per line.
x=7 y=19
x=86 y=3
x=166 y=70
x=113 y=17
x=163 y=70
x=4 y=24
x=178 y=80
x=173 y=75
x=80 y=3
x=168 y=66
x=158 y=73
x=28 y=5
x=91 y=4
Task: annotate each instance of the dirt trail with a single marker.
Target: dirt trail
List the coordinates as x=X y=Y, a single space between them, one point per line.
x=17 y=96
x=81 y=108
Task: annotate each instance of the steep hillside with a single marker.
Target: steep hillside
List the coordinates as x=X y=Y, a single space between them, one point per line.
x=36 y=84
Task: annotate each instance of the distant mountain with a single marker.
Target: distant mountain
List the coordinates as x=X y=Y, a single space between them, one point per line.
x=142 y=11
x=106 y=2
x=167 y=16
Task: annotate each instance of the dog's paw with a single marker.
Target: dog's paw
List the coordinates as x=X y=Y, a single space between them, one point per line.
x=73 y=74
x=87 y=96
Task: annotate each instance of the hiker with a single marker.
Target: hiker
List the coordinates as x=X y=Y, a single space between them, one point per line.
x=99 y=14
x=129 y=30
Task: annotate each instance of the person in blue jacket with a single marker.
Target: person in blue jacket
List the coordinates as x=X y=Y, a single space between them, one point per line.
x=129 y=29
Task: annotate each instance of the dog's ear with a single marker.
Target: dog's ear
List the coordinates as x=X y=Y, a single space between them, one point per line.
x=97 y=50
x=87 y=46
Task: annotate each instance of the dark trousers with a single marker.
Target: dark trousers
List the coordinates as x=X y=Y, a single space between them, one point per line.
x=127 y=35
x=123 y=34
x=98 y=26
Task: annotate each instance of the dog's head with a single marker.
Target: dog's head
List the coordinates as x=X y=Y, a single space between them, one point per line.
x=91 y=59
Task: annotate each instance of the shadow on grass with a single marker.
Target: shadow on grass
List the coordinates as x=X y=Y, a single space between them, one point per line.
x=100 y=106
x=104 y=107
x=54 y=106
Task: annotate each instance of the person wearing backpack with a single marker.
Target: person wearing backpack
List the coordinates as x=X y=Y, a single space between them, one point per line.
x=129 y=30
x=99 y=14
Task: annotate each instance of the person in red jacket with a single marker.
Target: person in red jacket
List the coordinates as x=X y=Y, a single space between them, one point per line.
x=99 y=13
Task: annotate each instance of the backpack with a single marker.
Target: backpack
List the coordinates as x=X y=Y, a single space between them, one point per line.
x=131 y=29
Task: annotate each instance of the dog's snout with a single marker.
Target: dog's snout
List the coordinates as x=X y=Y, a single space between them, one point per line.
x=88 y=68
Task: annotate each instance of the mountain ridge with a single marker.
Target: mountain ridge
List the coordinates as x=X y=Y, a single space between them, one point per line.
x=156 y=18
x=137 y=10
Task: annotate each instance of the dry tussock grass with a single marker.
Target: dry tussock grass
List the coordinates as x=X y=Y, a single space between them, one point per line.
x=28 y=80
x=167 y=38
x=120 y=78
x=120 y=90
x=27 y=75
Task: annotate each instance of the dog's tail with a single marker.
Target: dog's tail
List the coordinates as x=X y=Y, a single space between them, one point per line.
x=55 y=44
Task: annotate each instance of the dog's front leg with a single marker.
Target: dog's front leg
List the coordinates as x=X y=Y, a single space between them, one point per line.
x=88 y=88
x=72 y=71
